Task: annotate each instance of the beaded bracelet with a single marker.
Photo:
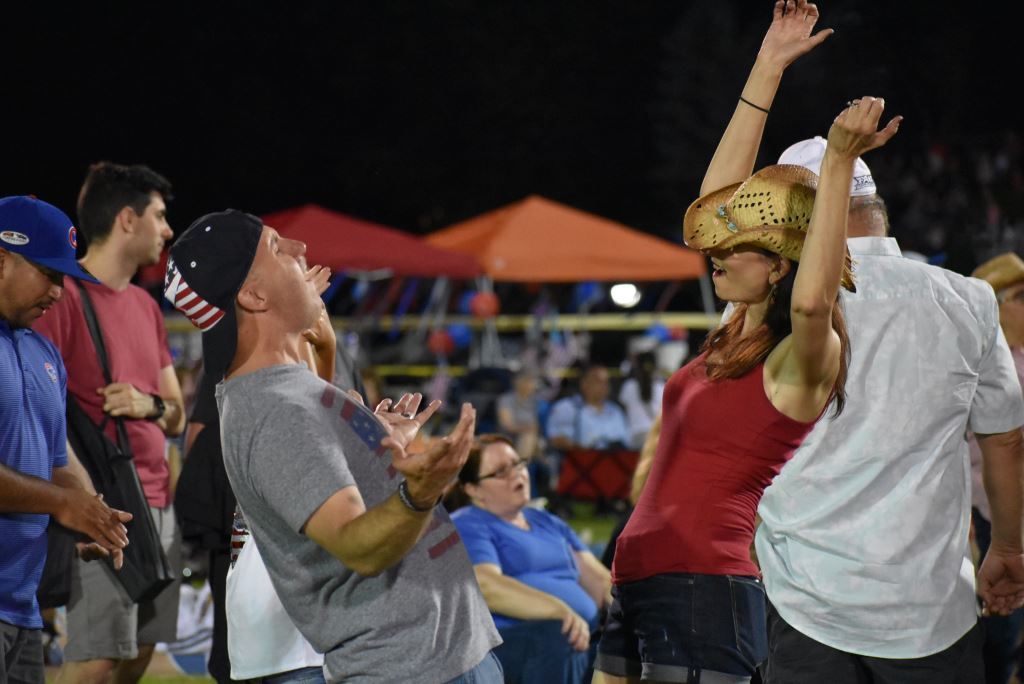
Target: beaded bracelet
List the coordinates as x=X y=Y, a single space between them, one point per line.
x=403 y=494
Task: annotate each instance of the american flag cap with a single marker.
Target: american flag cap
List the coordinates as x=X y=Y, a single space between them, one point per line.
x=208 y=264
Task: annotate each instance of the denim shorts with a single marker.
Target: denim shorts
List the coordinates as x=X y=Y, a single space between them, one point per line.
x=671 y=627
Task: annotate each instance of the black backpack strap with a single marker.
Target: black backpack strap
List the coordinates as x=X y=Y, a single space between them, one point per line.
x=93 y=324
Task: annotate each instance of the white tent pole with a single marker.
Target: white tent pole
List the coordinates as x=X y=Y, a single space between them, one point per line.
x=706 y=296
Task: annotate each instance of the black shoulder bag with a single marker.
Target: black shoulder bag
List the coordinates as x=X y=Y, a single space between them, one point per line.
x=146 y=571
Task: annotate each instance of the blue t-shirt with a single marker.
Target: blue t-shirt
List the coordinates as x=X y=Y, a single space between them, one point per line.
x=541 y=557
x=33 y=435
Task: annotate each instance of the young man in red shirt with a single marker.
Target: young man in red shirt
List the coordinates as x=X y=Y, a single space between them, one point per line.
x=122 y=214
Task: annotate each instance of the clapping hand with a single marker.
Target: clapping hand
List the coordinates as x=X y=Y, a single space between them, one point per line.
x=320 y=277
x=400 y=418
x=430 y=472
x=88 y=514
x=321 y=334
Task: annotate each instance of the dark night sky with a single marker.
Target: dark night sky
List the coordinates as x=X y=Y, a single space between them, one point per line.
x=419 y=114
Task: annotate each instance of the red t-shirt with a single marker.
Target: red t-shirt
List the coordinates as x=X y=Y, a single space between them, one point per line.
x=721 y=444
x=136 y=342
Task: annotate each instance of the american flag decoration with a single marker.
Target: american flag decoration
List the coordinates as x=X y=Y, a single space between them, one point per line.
x=202 y=313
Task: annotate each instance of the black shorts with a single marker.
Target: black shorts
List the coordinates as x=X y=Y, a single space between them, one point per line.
x=798 y=659
x=671 y=627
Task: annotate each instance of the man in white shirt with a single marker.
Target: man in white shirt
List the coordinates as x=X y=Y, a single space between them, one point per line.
x=864 y=541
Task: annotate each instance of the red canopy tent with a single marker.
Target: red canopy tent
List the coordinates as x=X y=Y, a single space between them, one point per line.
x=538 y=240
x=344 y=243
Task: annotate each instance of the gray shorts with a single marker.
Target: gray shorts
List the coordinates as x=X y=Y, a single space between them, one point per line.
x=21 y=655
x=103 y=623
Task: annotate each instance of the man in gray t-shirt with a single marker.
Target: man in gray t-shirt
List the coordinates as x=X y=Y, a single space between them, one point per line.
x=370 y=570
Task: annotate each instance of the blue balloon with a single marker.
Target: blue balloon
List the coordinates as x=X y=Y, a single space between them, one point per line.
x=659 y=332
x=464 y=301
x=586 y=294
x=360 y=290
x=461 y=335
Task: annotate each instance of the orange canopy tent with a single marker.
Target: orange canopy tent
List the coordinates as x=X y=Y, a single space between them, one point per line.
x=345 y=243
x=538 y=240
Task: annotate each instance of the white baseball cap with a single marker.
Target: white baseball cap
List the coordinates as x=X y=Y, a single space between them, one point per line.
x=809 y=153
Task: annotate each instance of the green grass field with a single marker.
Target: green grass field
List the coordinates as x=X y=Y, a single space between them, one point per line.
x=593 y=529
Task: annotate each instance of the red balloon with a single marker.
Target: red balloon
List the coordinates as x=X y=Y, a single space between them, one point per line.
x=440 y=343
x=485 y=305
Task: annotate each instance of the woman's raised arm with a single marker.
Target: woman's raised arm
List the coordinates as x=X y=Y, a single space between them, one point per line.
x=788 y=37
x=854 y=132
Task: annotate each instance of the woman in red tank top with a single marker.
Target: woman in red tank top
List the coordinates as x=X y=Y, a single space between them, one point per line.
x=688 y=602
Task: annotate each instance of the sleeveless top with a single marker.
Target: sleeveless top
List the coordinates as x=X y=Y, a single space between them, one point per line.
x=721 y=444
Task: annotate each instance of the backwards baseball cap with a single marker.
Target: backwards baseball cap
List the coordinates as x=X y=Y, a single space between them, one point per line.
x=809 y=153
x=209 y=263
x=41 y=233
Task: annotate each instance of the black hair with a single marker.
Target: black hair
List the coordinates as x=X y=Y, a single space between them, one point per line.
x=109 y=188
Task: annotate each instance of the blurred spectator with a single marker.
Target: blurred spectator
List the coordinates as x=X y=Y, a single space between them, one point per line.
x=543 y=586
x=588 y=420
x=518 y=414
x=958 y=204
x=640 y=395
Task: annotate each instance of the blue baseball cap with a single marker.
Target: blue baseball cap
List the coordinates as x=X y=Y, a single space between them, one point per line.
x=41 y=233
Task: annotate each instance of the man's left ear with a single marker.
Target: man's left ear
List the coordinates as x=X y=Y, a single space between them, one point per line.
x=126 y=219
x=250 y=298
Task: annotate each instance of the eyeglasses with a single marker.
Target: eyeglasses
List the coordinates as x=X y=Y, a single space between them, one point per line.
x=1017 y=297
x=506 y=472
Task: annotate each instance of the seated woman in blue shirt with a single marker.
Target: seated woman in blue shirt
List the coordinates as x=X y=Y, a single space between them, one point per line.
x=542 y=584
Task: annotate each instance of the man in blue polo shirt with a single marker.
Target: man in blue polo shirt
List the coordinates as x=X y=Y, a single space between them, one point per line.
x=37 y=247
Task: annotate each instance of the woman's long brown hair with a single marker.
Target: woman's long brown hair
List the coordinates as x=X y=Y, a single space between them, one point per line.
x=736 y=355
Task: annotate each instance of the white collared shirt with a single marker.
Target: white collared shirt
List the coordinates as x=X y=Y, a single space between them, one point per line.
x=864 y=542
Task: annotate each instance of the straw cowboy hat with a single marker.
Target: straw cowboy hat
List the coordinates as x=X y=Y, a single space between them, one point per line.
x=1002 y=271
x=771 y=209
